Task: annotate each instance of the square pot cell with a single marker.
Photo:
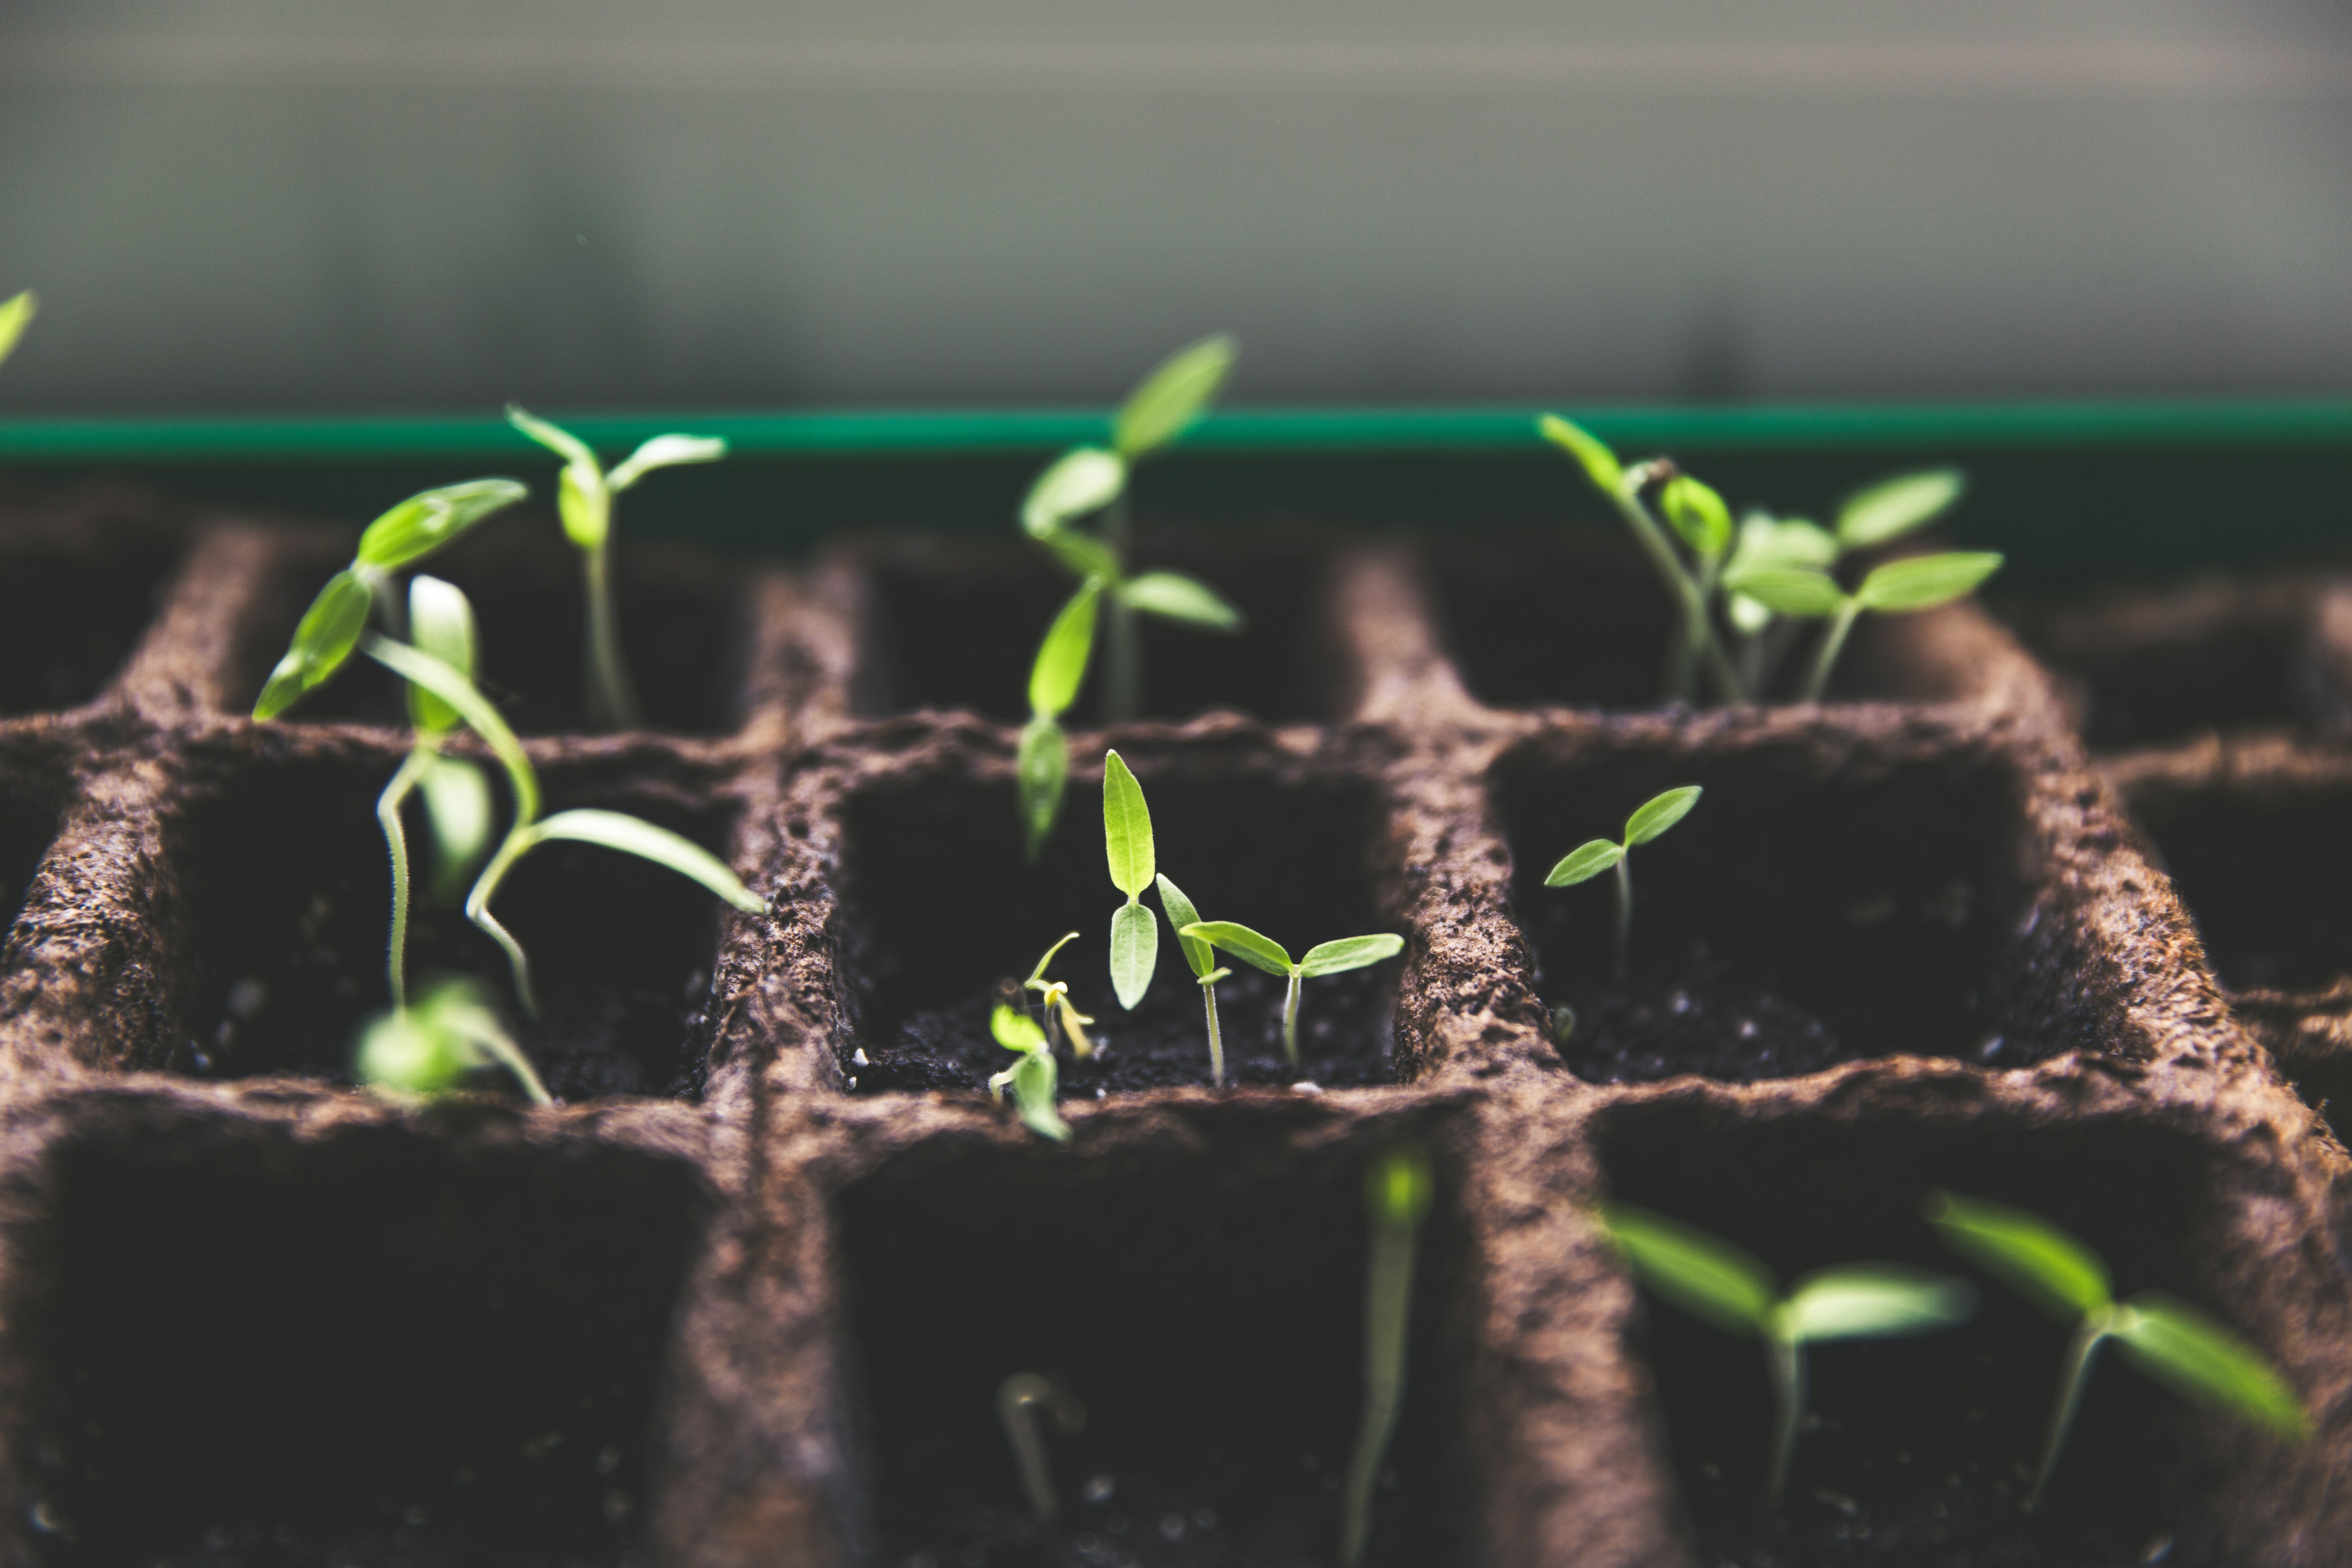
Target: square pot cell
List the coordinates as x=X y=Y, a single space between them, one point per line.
x=377 y=1345
x=283 y=888
x=954 y=624
x=1822 y=904
x=941 y=913
x=77 y=592
x=1204 y=1304
x=684 y=626
x=1577 y=618
x=1921 y=1452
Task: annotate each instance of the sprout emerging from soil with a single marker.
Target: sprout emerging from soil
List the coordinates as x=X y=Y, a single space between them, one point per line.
x=1714 y=1280
x=583 y=499
x=1034 y=1078
x=430 y=1046
x=1054 y=999
x=1589 y=860
x=1018 y=1400
x=1397 y=1194
x=1044 y=767
x=1127 y=840
x=1202 y=958
x=16 y=315
x=2167 y=1339
x=1899 y=587
x=1324 y=958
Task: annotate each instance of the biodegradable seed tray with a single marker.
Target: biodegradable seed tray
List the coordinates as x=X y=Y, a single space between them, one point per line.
x=746 y=1297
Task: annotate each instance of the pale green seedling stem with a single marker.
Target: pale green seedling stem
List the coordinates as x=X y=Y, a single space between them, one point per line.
x=1017 y=1403
x=413 y=768
x=1589 y=860
x=1264 y=952
x=445 y=627
x=1202 y=958
x=1397 y=1194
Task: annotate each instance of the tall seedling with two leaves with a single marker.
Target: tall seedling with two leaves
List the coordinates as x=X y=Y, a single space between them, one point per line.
x=1127 y=843
x=1324 y=958
x=1589 y=860
x=584 y=500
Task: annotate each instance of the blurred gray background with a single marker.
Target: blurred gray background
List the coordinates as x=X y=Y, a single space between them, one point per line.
x=443 y=203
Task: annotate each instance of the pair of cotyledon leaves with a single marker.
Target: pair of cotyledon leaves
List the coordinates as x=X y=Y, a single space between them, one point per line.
x=584 y=490
x=1034 y=1078
x=1650 y=819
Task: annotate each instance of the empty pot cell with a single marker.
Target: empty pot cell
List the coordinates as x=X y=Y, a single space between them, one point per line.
x=77 y=590
x=1826 y=901
x=953 y=625
x=29 y=804
x=941 y=913
x=685 y=630
x=237 y=1345
x=1203 y=1303
x=1922 y=1451
x=283 y=904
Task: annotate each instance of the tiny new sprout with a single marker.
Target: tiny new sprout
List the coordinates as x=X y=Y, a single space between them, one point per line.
x=1589 y=860
x=1033 y=1079
x=1054 y=1000
x=1127 y=843
x=1044 y=766
x=16 y=315
x=1202 y=958
x=585 y=501
x=1713 y=1279
x=1397 y=1192
x=1899 y=587
x=1264 y=952
x=2167 y=1339
x=1018 y=1400
x=430 y=1046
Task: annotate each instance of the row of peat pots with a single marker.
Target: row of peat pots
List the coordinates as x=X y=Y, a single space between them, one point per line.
x=2040 y=907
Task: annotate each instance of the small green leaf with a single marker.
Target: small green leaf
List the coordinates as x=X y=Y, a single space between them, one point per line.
x=1702 y=1275
x=1791 y=543
x=1748 y=615
x=1036 y=981
x=1261 y=952
x=424 y=670
x=665 y=452
x=1785 y=591
x=1134 y=953
x=457 y=810
x=1061 y=666
x=400 y=1051
x=635 y=835
x=441 y=623
x=1015 y=1030
x=1127 y=829
x=16 y=315
x=432 y=519
x=1698 y=514
x=1874 y=1301
x=1042 y=771
x=2180 y=1346
x=1034 y=1078
x=2058 y=1273
x=1348 y=953
x=1584 y=862
x=1081 y=480
x=1924 y=582
x=1173 y=395
x=1083 y=554
x=585 y=504
x=1893 y=508
x=323 y=640
x=1198 y=954
x=1174 y=597
x=552 y=436
x=1660 y=812
x=1398 y=1189
x=1600 y=464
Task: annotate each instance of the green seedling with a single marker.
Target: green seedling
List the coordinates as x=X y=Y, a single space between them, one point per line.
x=2165 y=1337
x=1127 y=843
x=1044 y=766
x=584 y=499
x=1715 y=1281
x=1018 y=1400
x=16 y=315
x=1202 y=958
x=1899 y=587
x=1397 y=1194
x=1264 y=952
x=430 y=1046
x=1033 y=1079
x=1053 y=1001
x=1589 y=860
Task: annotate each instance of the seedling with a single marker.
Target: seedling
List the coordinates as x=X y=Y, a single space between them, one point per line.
x=1202 y=958
x=1324 y=958
x=2166 y=1338
x=1033 y=1079
x=1044 y=766
x=1397 y=1192
x=1899 y=587
x=1126 y=842
x=1589 y=860
x=584 y=499
x=1054 y=999
x=1715 y=1281
x=16 y=315
x=1018 y=1400
x=431 y=1046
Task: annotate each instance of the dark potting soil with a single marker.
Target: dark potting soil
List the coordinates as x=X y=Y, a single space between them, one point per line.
x=68 y=622
x=2264 y=877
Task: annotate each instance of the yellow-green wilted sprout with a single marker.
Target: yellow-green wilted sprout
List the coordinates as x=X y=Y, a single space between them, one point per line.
x=1054 y=1002
x=1044 y=764
x=1718 y=1282
x=1033 y=1079
x=1202 y=958
x=1126 y=844
x=1397 y=1195
x=430 y=1046
x=584 y=500
x=1324 y=958
x=1019 y=1398
x=2169 y=1340
x=16 y=314
x=1589 y=860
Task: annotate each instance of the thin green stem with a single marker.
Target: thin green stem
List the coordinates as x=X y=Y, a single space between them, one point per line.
x=1785 y=1358
x=1833 y=641
x=1388 y=1312
x=1697 y=627
x=1625 y=915
x=387 y=812
x=1217 y=1038
x=1290 y=1018
x=612 y=699
x=2073 y=1379
x=519 y=842
x=510 y=1055
x=1017 y=1400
